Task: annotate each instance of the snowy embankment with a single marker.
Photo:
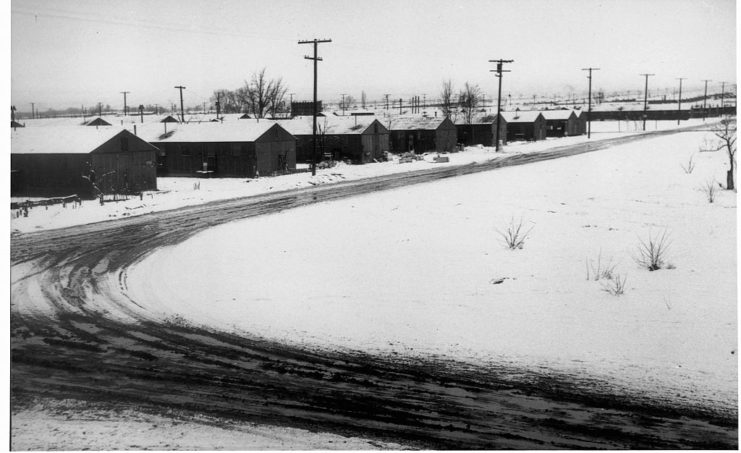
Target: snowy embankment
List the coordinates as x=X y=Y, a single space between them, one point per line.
x=422 y=270
x=47 y=426
x=179 y=192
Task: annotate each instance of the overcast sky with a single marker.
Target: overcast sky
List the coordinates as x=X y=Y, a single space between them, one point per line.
x=74 y=52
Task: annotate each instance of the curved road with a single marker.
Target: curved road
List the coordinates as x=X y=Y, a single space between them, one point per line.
x=66 y=285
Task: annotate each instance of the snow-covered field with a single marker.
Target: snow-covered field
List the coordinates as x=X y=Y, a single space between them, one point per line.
x=67 y=425
x=422 y=270
x=178 y=192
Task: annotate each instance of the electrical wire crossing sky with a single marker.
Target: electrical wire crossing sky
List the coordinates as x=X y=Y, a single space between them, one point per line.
x=72 y=52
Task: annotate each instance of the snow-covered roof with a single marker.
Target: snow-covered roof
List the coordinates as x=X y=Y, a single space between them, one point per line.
x=335 y=125
x=556 y=114
x=60 y=139
x=405 y=123
x=521 y=117
x=229 y=131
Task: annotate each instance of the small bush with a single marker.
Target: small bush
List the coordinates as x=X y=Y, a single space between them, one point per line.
x=599 y=270
x=652 y=254
x=615 y=285
x=710 y=189
x=689 y=166
x=514 y=236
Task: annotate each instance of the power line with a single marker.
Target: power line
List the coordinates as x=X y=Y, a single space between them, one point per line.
x=589 y=111
x=182 y=112
x=679 y=104
x=705 y=99
x=645 y=100
x=499 y=73
x=125 y=93
x=316 y=59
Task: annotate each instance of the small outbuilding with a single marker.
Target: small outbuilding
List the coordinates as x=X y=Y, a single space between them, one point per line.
x=244 y=149
x=479 y=131
x=359 y=139
x=420 y=134
x=561 y=123
x=517 y=125
x=82 y=161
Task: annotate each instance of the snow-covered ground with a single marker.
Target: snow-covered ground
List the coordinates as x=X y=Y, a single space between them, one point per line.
x=422 y=270
x=67 y=425
x=178 y=192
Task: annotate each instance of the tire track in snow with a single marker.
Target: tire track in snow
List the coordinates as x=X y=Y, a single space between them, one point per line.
x=75 y=334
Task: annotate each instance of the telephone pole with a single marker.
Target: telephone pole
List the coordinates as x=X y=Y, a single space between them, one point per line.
x=125 y=93
x=291 y=104
x=645 y=100
x=589 y=111
x=679 y=106
x=499 y=73
x=705 y=100
x=218 y=105
x=343 y=103
x=33 y=115
x=387 y=100
x=316 y=59
x=182 y=111
x=722 y=97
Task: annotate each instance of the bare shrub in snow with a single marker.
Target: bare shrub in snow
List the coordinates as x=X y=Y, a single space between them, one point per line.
x=689 y=166
x=709 y=189
x=599 y=270
x=652 y=253
x=615 y=285
x=514 y=235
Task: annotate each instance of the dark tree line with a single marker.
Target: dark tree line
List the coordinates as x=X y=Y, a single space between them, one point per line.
x=259 y=97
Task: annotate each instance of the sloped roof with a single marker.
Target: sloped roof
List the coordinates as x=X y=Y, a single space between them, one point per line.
x=335 y=125
x=60 y=139
x=169 y=119
x=235 y=131
x=98 y=122
x=14 y=123
x=521 y=117
x=405 y=123
x=556 y=114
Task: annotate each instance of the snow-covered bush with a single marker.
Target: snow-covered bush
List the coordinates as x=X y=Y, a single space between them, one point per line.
x=600 y=270
x=615 y=285
x=514 y=236
x=689 y=166
x=652 y=253
x=709 y=189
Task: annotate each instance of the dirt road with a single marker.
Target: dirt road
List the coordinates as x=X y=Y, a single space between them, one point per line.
x=65 y=284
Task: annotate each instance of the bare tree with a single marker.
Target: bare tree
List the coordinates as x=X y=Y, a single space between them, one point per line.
x=446 y=98
x=726 y=133
x=227 y=100
x=261 y=96
x=470 y=98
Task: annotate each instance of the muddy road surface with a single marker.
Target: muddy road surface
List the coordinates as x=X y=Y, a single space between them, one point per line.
x=76 y=334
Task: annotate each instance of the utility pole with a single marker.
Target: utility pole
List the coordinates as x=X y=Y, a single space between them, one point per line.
x=218 y=105
x=387 y=100
x=705 y=100
x=424 y=100
x=589 y=111
x=182 y=111
x=645 y=100
x=722 y=97
x=33 y=115
x=499 y=73
x=100 y=109
x=291 y=104
x=316 y=59
x=141 y=112
x=125 y=93
x=679 y=106
x=343 y=103
x=399 y=106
